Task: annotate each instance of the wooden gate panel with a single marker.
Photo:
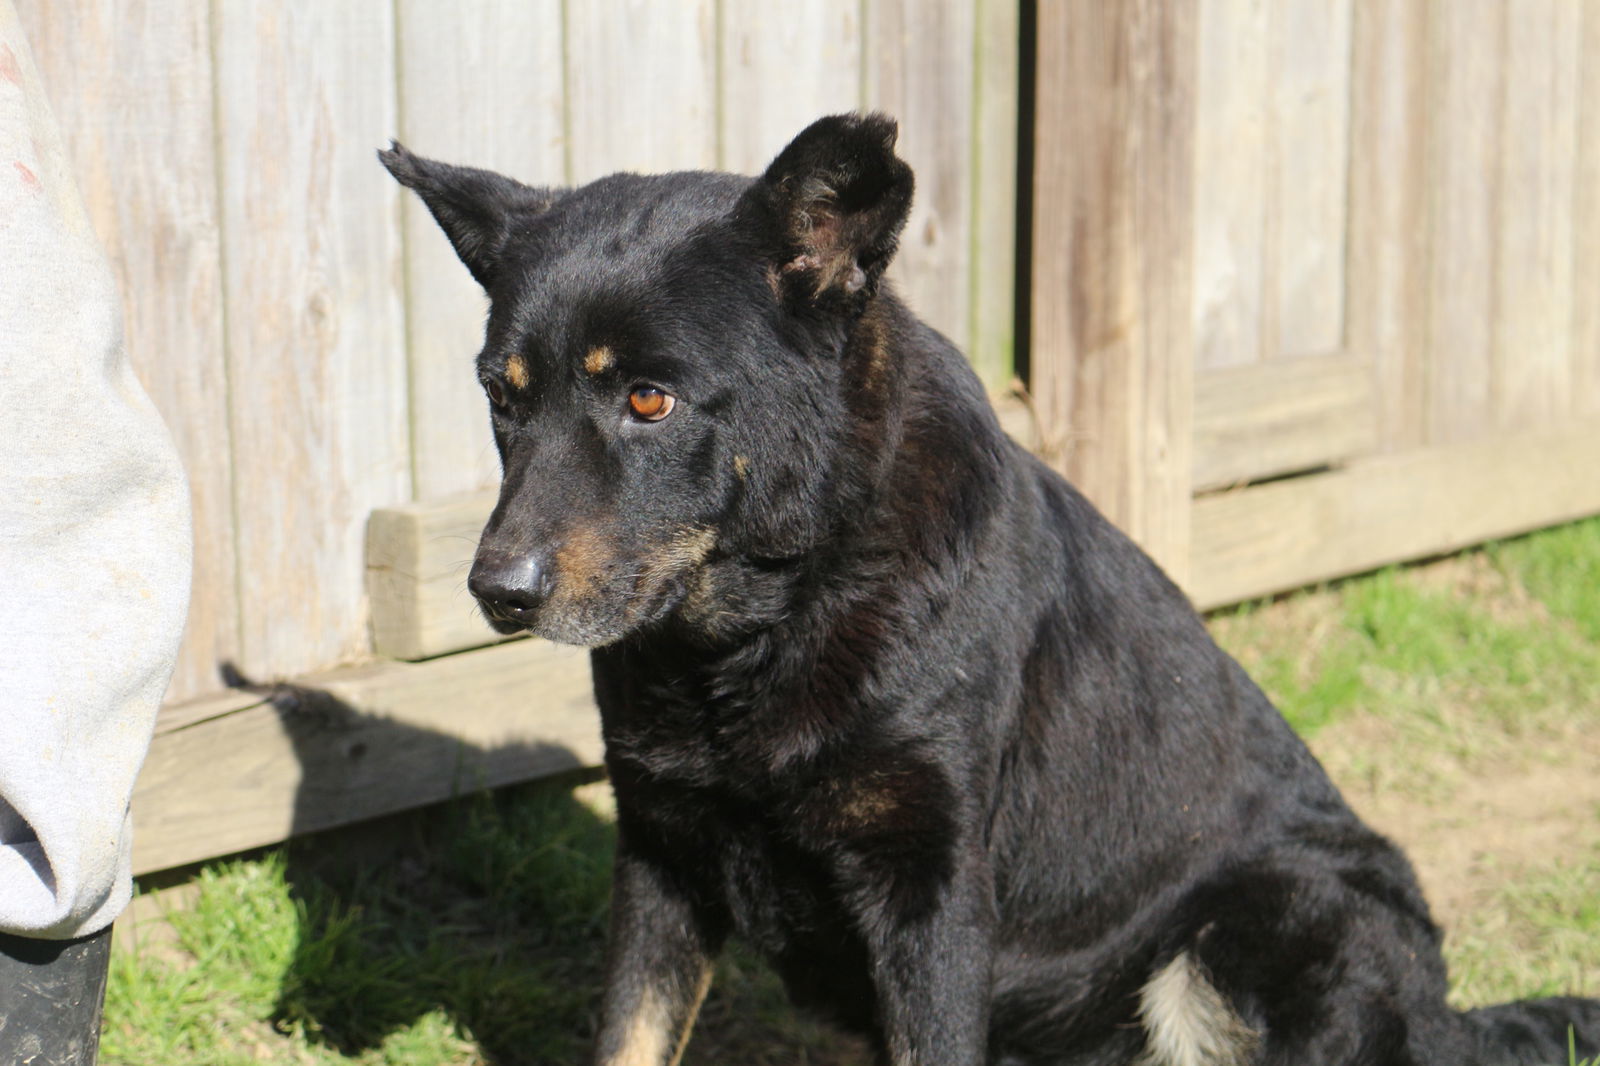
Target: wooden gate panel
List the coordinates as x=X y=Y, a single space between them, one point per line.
x=1531 y=382
x=1308 y=159
x=1112 y=310
x=459 y=78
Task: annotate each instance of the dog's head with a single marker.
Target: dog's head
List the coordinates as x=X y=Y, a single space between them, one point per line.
x=663 y=367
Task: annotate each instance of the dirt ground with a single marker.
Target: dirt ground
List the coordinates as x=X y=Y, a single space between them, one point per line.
x=1480 y=830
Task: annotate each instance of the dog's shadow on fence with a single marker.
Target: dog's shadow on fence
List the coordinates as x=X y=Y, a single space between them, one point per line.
x=485 y=913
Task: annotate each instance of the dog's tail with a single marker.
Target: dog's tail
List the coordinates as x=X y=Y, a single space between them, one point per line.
x=1538 y=1032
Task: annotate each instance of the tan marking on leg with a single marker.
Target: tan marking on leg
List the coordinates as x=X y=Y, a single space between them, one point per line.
x=517 y=372
x=1187 y=1022
x=646 y=1042
x=599 y=360
x=866 y=804
x=702 y=986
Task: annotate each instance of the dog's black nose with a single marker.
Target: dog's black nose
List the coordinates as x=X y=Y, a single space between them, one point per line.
x=511 y=587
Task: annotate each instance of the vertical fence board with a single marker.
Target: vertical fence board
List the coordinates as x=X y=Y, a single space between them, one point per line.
x=315 y=346
x=993 y=251
x=1533 y=255
x=130 y=83
x=784 y=66
x=1230 y=181
x=1112 y=327
x=1390 y=127
x=1586 y=225
x=462 y=74
x=919 y=68
x=1310 y=167
x=1465 y=61
x=642 y=89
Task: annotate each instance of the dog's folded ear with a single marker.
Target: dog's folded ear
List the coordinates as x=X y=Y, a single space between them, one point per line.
x=838 y=197
x=475 y=208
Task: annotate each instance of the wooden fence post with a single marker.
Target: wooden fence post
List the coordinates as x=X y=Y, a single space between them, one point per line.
x=1112 y=353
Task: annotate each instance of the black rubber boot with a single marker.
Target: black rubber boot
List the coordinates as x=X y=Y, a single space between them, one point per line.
x=51 y=995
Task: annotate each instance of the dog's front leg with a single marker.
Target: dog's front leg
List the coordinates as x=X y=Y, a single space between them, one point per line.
x=933 y=972
x=658 y=967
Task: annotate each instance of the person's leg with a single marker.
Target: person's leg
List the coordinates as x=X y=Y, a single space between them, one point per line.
x=51 y=995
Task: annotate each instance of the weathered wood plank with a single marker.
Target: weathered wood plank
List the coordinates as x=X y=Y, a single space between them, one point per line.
x=1229 y=181
x=919 y=68
x=1112 y=313
x=130 y=83
x=1280 y=416
x=1389 y=508
x=1465 y=73
x=1532 y=375
x=418 y=556
x=993 y=253
x=1586 y=226
x=783 y=67
x=1310 y=166
x=642 y=95
x=318 y=398
x=351 y=745
x=1387 y=309
x=484 y=90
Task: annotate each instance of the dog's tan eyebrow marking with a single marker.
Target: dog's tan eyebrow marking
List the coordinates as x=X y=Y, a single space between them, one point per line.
x=517 y=372
x=599 y=360
x=741 y=466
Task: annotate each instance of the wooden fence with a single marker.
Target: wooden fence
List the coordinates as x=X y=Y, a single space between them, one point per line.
x=1315 y=286
x=1354 y=241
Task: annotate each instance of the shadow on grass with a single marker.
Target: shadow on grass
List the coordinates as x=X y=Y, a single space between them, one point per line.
x=489 y=909
x=486 y=914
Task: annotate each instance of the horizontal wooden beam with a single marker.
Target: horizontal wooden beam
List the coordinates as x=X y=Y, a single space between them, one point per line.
x=246 y=769
x=418 y=555
x=1283 y=415
x=1285 y=534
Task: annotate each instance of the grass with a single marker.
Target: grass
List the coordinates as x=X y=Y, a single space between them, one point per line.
x=473 y=934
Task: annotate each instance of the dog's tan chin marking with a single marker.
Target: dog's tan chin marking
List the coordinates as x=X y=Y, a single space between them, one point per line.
x=677 y=555
x=517 y=372
x=599 y=360
x=1187 y=1022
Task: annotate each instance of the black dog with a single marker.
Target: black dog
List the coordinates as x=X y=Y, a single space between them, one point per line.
x=882 y=694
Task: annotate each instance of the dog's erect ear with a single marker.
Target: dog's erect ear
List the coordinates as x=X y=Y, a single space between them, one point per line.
x=475 y=208
x=839 y=197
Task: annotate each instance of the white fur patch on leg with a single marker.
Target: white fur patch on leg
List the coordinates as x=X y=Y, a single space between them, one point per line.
x=1188 y=1023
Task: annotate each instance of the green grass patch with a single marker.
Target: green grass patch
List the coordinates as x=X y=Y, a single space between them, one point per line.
x=1561 y=567
x=1394 y=645
x=1538 y=936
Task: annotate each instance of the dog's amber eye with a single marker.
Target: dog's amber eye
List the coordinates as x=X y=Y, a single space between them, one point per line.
x=497 y=395
x=650 y=404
